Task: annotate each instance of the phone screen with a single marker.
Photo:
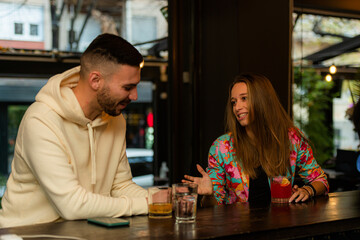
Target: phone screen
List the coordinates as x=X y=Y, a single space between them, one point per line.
x=108 y=221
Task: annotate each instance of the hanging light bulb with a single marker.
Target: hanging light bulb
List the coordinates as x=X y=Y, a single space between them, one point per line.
x=332 y=69
x=328 y=78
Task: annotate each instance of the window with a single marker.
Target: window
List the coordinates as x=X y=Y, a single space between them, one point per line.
x=318 y=42
x=19 y=28
x=143 y=29
x=34 y=30
x=337 y=133
x=337 y=137
x=16 y=94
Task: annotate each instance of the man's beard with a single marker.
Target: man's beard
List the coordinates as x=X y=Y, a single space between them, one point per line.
x=109 y=104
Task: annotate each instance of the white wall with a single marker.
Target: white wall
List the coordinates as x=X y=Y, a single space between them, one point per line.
x=11 y=13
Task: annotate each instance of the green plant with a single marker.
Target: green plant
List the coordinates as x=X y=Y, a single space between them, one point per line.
x=3 y=180
x=15 y=114
x=313 y=96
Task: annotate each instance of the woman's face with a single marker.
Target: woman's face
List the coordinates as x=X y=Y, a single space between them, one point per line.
x=239 y=102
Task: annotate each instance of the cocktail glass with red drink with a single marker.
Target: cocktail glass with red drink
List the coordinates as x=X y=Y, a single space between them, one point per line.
x=280 y=189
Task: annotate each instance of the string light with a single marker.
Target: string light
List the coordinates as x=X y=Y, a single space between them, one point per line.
x=328 y=78
x=332 y=69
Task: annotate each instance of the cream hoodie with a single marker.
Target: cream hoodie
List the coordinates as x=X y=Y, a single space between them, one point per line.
x=66 y=166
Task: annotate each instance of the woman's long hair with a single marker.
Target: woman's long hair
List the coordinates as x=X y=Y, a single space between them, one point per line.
x=269 y=123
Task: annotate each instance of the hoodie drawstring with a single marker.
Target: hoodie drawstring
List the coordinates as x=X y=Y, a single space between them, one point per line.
x=92 y=152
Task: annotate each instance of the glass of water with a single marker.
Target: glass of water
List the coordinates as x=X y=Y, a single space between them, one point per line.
x=184 y=201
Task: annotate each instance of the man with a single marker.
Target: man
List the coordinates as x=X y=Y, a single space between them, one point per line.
x=70 y=160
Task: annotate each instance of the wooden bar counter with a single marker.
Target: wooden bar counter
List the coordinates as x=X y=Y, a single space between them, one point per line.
x=337 y=212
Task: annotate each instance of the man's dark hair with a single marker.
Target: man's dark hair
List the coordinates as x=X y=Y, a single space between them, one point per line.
x=114 y=48
x=107 y=48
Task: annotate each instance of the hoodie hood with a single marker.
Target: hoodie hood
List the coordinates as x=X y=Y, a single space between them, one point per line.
x=59 y=96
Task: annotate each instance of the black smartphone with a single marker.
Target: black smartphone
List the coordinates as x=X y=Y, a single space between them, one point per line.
x=108 y=221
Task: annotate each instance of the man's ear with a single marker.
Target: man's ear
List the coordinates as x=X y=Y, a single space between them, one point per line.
x=94 y=80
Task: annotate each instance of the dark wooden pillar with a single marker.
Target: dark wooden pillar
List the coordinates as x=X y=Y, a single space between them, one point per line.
x=265 y=36
x=181 y=17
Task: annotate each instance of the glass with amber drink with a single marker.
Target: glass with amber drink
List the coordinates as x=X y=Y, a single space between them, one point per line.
x=160 y=205
x=281 y=189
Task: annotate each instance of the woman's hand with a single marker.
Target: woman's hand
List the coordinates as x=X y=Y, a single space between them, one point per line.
x=204 y=183
x=299 y=194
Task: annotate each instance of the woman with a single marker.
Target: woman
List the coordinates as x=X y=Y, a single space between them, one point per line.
x=261 y=142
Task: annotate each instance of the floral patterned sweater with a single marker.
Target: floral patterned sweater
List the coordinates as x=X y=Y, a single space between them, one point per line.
x=231 y=184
